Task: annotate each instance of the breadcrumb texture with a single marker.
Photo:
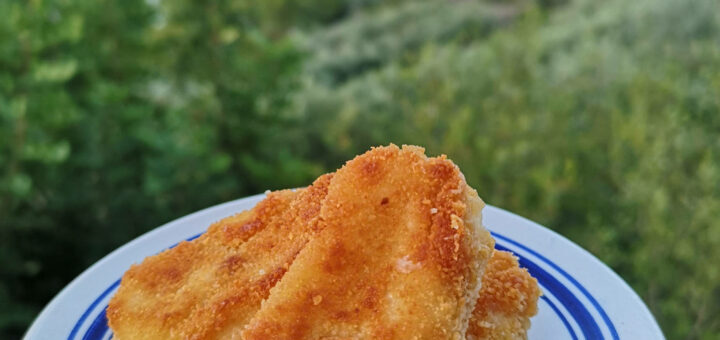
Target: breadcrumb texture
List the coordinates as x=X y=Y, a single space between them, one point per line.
x=209 y=288
x=390 y=247
x=508 y=300
x=383 y=265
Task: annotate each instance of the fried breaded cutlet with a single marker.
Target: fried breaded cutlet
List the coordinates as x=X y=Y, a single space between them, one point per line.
x=209 y=288
x=400 y=255
x=389 y=247
x=508 y=299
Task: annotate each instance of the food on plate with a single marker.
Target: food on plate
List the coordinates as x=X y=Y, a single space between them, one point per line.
x=391 y=246
x=210 y=287
x=508 y=299
x=400 y=255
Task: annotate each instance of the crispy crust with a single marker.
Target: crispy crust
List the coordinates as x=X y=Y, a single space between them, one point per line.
x=508 y=300
x=210 y=287
x=391 y=247
x=394 y=260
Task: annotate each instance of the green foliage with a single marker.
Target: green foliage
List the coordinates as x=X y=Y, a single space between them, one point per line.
x=117 y=116
x=597 y=119
x=374 y=38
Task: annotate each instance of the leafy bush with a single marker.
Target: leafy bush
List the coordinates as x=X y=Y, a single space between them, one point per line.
x=117 y=116
x=371 y=39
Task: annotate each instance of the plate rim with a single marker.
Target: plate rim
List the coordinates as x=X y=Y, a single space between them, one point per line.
x=629 y=291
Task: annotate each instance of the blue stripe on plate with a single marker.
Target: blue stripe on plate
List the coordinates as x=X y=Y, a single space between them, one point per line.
x=98 y=328
x=577 y=284
x=588 y=326
x=562 y=317
x=84 y=316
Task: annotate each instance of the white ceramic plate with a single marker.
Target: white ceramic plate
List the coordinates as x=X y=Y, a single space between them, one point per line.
x=582 y=298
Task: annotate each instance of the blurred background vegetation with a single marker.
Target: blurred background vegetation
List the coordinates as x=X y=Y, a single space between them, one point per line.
x=598 y=119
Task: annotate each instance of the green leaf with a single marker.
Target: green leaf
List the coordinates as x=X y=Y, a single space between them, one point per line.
x=20 y=185
x=47 y=153
x=55 y=71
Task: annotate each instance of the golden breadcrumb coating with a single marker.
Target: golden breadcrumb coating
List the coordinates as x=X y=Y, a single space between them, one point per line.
x=399 y=256
x=508 y=299
x=210 y=287
x=390 y=247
